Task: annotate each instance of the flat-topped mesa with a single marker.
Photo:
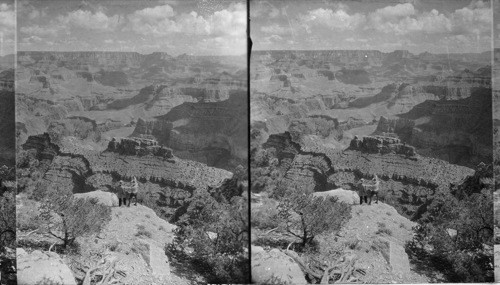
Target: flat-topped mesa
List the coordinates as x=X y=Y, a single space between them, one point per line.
x=139 y=147
x=382 y=144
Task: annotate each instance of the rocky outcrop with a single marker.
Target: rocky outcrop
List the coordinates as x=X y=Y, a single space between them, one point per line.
x=274 y=266
x=307 y=171
x=154 y=256
x=139 y=147
x=42 y=268
x=382 y=145
x=102 y=197
x=346 y=196
x=407 y=182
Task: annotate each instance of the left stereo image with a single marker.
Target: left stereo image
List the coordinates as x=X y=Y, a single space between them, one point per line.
x=131 y=142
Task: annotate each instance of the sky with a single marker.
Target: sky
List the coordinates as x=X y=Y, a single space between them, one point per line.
x=7 y=27
x=496 y=17
x=197 y=27
x=436 y=26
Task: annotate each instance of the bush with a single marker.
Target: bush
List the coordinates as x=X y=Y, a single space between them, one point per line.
x=67 y=218
x=265 y=216
x=7 y=220
x=141 y=231
x=28 y=217
x=305 y=216
x=221 y=259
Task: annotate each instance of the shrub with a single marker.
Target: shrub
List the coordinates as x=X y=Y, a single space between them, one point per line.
x=73 y=217
x=28 y=217
x=265 y=216
x=305 y=216
x=382 y=229
x=7 y=220
x=141 y=231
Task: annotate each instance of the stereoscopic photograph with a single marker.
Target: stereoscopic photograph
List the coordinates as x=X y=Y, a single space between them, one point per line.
x=132 y=146
x=371 y=142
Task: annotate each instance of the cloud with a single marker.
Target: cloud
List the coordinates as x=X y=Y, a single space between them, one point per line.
x=97 y=21
x=335 y=20
x=264 y=9
x=163 y=21
x=39 y=31
x=403 y=19
x=7 y=20
x=274 y=29
x=153 y=21
x=231 y=21
x=394 y=12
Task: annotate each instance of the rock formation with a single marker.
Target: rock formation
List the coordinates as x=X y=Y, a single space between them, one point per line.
x=382 y=145
x=275 y=266
x=42 y=268
x=346 y=196
x=139 y=147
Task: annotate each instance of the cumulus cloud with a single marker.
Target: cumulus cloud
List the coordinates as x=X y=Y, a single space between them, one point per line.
x=335 y=20
x=7 y=19
x=274 y=29
x=153 y=21
x=38 y=31
x=394 y=12
x=403 y=19
x=163 y=21
x=97 y=21
x=264 y=9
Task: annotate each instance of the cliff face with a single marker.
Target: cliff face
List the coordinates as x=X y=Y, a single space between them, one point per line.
x=383 y=145
x=214 y=133
x=140 y=147
x=164 y=178
x=409 y=181
x=458 y=131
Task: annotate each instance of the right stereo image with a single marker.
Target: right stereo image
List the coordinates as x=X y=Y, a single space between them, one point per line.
x=372 y=134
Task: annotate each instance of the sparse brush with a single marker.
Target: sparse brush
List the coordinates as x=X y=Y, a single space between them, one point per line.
x=384 y=231
x=143 y=232
x=113 y=246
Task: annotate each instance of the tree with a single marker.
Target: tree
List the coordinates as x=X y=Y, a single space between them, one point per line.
x=67 y=218
x=466 y=256
x=7 y=220
x=305 y=216
x=217 y=233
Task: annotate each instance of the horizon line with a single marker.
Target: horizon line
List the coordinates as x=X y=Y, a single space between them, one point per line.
x=470 y=52
x=116 y=51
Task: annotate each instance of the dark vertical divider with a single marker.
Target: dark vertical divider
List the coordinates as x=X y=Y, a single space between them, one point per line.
x=7 y=144
x=496 y=125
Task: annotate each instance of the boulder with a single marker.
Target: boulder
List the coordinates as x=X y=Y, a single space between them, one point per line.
x=399 y=260
x=275 y=267
x=105 y=198
x=346 y=196
x=154 y=256
x=42 y=268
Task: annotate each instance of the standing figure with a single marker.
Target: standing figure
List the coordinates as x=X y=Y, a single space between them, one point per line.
x=133 y=191
x=122 y=195
x=362 y=192
x=374 y=189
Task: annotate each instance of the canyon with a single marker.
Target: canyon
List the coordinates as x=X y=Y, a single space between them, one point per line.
x=88 y=120
x=321 y=121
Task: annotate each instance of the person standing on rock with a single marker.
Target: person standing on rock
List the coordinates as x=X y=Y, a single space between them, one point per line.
x=362 y=191
x=374 y=189
x=122 y=195
x=134 y=190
